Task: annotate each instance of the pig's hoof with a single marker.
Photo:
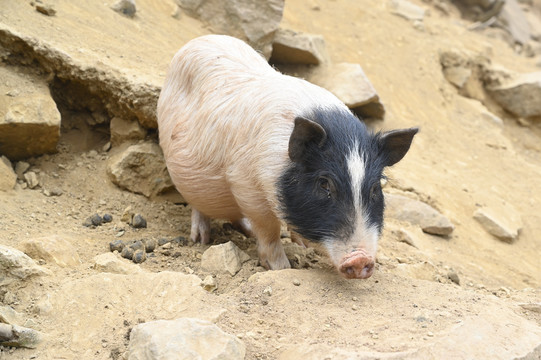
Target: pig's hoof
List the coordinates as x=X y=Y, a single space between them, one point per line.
x=281 y=262
x=200 y=227
x=357 y=265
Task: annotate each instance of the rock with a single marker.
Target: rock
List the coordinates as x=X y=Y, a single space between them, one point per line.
x=30 y=121
x=16 y=265
x=407 y=10
x=31 y=179
x=291 y=47
x=516 y=21
x=534 y=307
x=453 y=276
x=107 y=218
x=418 y=213
x=457 y=75
x=502 y=222
x=127 y=253
x=406 y=237
x=18 y=336
x=254 y=21
x=10 y=316
x=349 y=83
x=116 y=245
x=125 y=131
x=139 y=256
x=20 y=168
x=138 y=221
x=520 y=95
x=125 y=7
x=140 y=169
x=299 y=256
x=424 y=270
x=185 y=338
x=150 y=245
x=8 y=179
x=127 y=215
x=55 y=248
x=111 y=263
x=45 y=9
x=223 y=258
x=209 y=283
x=94 y=220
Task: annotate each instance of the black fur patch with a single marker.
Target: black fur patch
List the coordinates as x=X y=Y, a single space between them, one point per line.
x=308 y=206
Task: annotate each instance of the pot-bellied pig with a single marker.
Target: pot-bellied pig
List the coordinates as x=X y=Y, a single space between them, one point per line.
x=245 y=143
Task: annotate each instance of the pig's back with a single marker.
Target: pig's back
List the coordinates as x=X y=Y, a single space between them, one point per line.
x=225 y=117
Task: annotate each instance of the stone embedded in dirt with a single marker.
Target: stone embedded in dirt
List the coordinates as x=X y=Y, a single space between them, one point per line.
x=253 y=21
x=20 y=168
x=407 y=10
x=45 y=9
x=107 y=218
x=138 y=221
x=453 y=276
x=418 y=213
x=30 y=121
x=18 y=336
x=209 y=283
x=350 y=84
x=520 y=95
x=111 y=263
x=140 y=169
x=291 y=47
x=535 y=307
x=150 y=245
x=55 y=249
x=127 y=215
x=163 y=241
x=184 y=338
x=9 y=316
x=139 y=256
x=406 y=237
x=180 y=240
x=125 y=7
x=136 y=245
x=116 y=245
x=16 y=265
x=502 y=222
x=127 y=253
x=31 y=179
x=53 y=192
x=94 y=220
x=125 y=131
x=223 y=258
x=515 y=21
x=8 y=178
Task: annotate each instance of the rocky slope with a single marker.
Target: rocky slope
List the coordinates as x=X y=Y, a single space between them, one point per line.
x=458 y=274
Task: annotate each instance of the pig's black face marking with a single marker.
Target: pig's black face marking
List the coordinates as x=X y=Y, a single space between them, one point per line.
x=333 y=181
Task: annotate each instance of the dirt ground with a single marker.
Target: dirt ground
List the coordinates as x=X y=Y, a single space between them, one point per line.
x=408 y=308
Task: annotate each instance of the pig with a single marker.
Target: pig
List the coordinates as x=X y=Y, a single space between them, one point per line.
x=245 y=143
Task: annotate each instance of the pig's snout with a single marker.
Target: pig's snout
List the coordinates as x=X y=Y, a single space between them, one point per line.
x=357 y=265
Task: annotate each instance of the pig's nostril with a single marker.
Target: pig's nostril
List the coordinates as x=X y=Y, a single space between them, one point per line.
x=368 y=267
x=349 y=270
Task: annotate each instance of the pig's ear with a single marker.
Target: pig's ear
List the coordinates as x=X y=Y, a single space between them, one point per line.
x=305 y=133
x=395 y=144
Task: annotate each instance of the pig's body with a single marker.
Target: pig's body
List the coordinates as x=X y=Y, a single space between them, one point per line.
x=226 y=120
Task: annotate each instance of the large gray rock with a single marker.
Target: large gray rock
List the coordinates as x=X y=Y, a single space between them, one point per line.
x=55 y=249
x=223 y=258
x=29 y=119
x=520 y=96
x=350 y=84
x=418 y=213
x=516 y=21
x=254 y=21
x=18 y=336
x=503 y=223
x=291 y=47
x=141 y=169
x=185 y=338
x=16 y=265
x=8 y=178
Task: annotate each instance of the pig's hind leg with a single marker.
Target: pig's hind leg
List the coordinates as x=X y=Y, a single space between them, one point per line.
x=200 y=227
x=269 y=247
x=244 y=226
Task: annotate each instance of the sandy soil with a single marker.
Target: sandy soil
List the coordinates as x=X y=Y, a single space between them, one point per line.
x=458 y=162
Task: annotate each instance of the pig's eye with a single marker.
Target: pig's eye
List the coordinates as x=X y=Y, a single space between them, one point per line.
x=375 y=192
x=325 y=186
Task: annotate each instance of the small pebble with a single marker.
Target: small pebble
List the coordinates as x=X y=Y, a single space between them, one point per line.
x=127 y=215
x=127 y=253
x=125 y=7
x=45 y=9
x=150 y=245
x=138 y=221
x=137 y=245
x=296 y=282
x=354 y=307
x=453 y=276
x=139 y=256
x=268 y=291
x=163 y=241
x=107 y=218
x=181 y=240
x=209 y=284
x=96 y=220
x=430 y=333
x=117 y=245
x=106 y=147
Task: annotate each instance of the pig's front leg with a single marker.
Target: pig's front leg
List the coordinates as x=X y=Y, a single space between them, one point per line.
x=269 y=247
x=200 y=227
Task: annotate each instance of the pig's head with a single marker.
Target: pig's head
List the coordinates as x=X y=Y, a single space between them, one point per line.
x=331 y=191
